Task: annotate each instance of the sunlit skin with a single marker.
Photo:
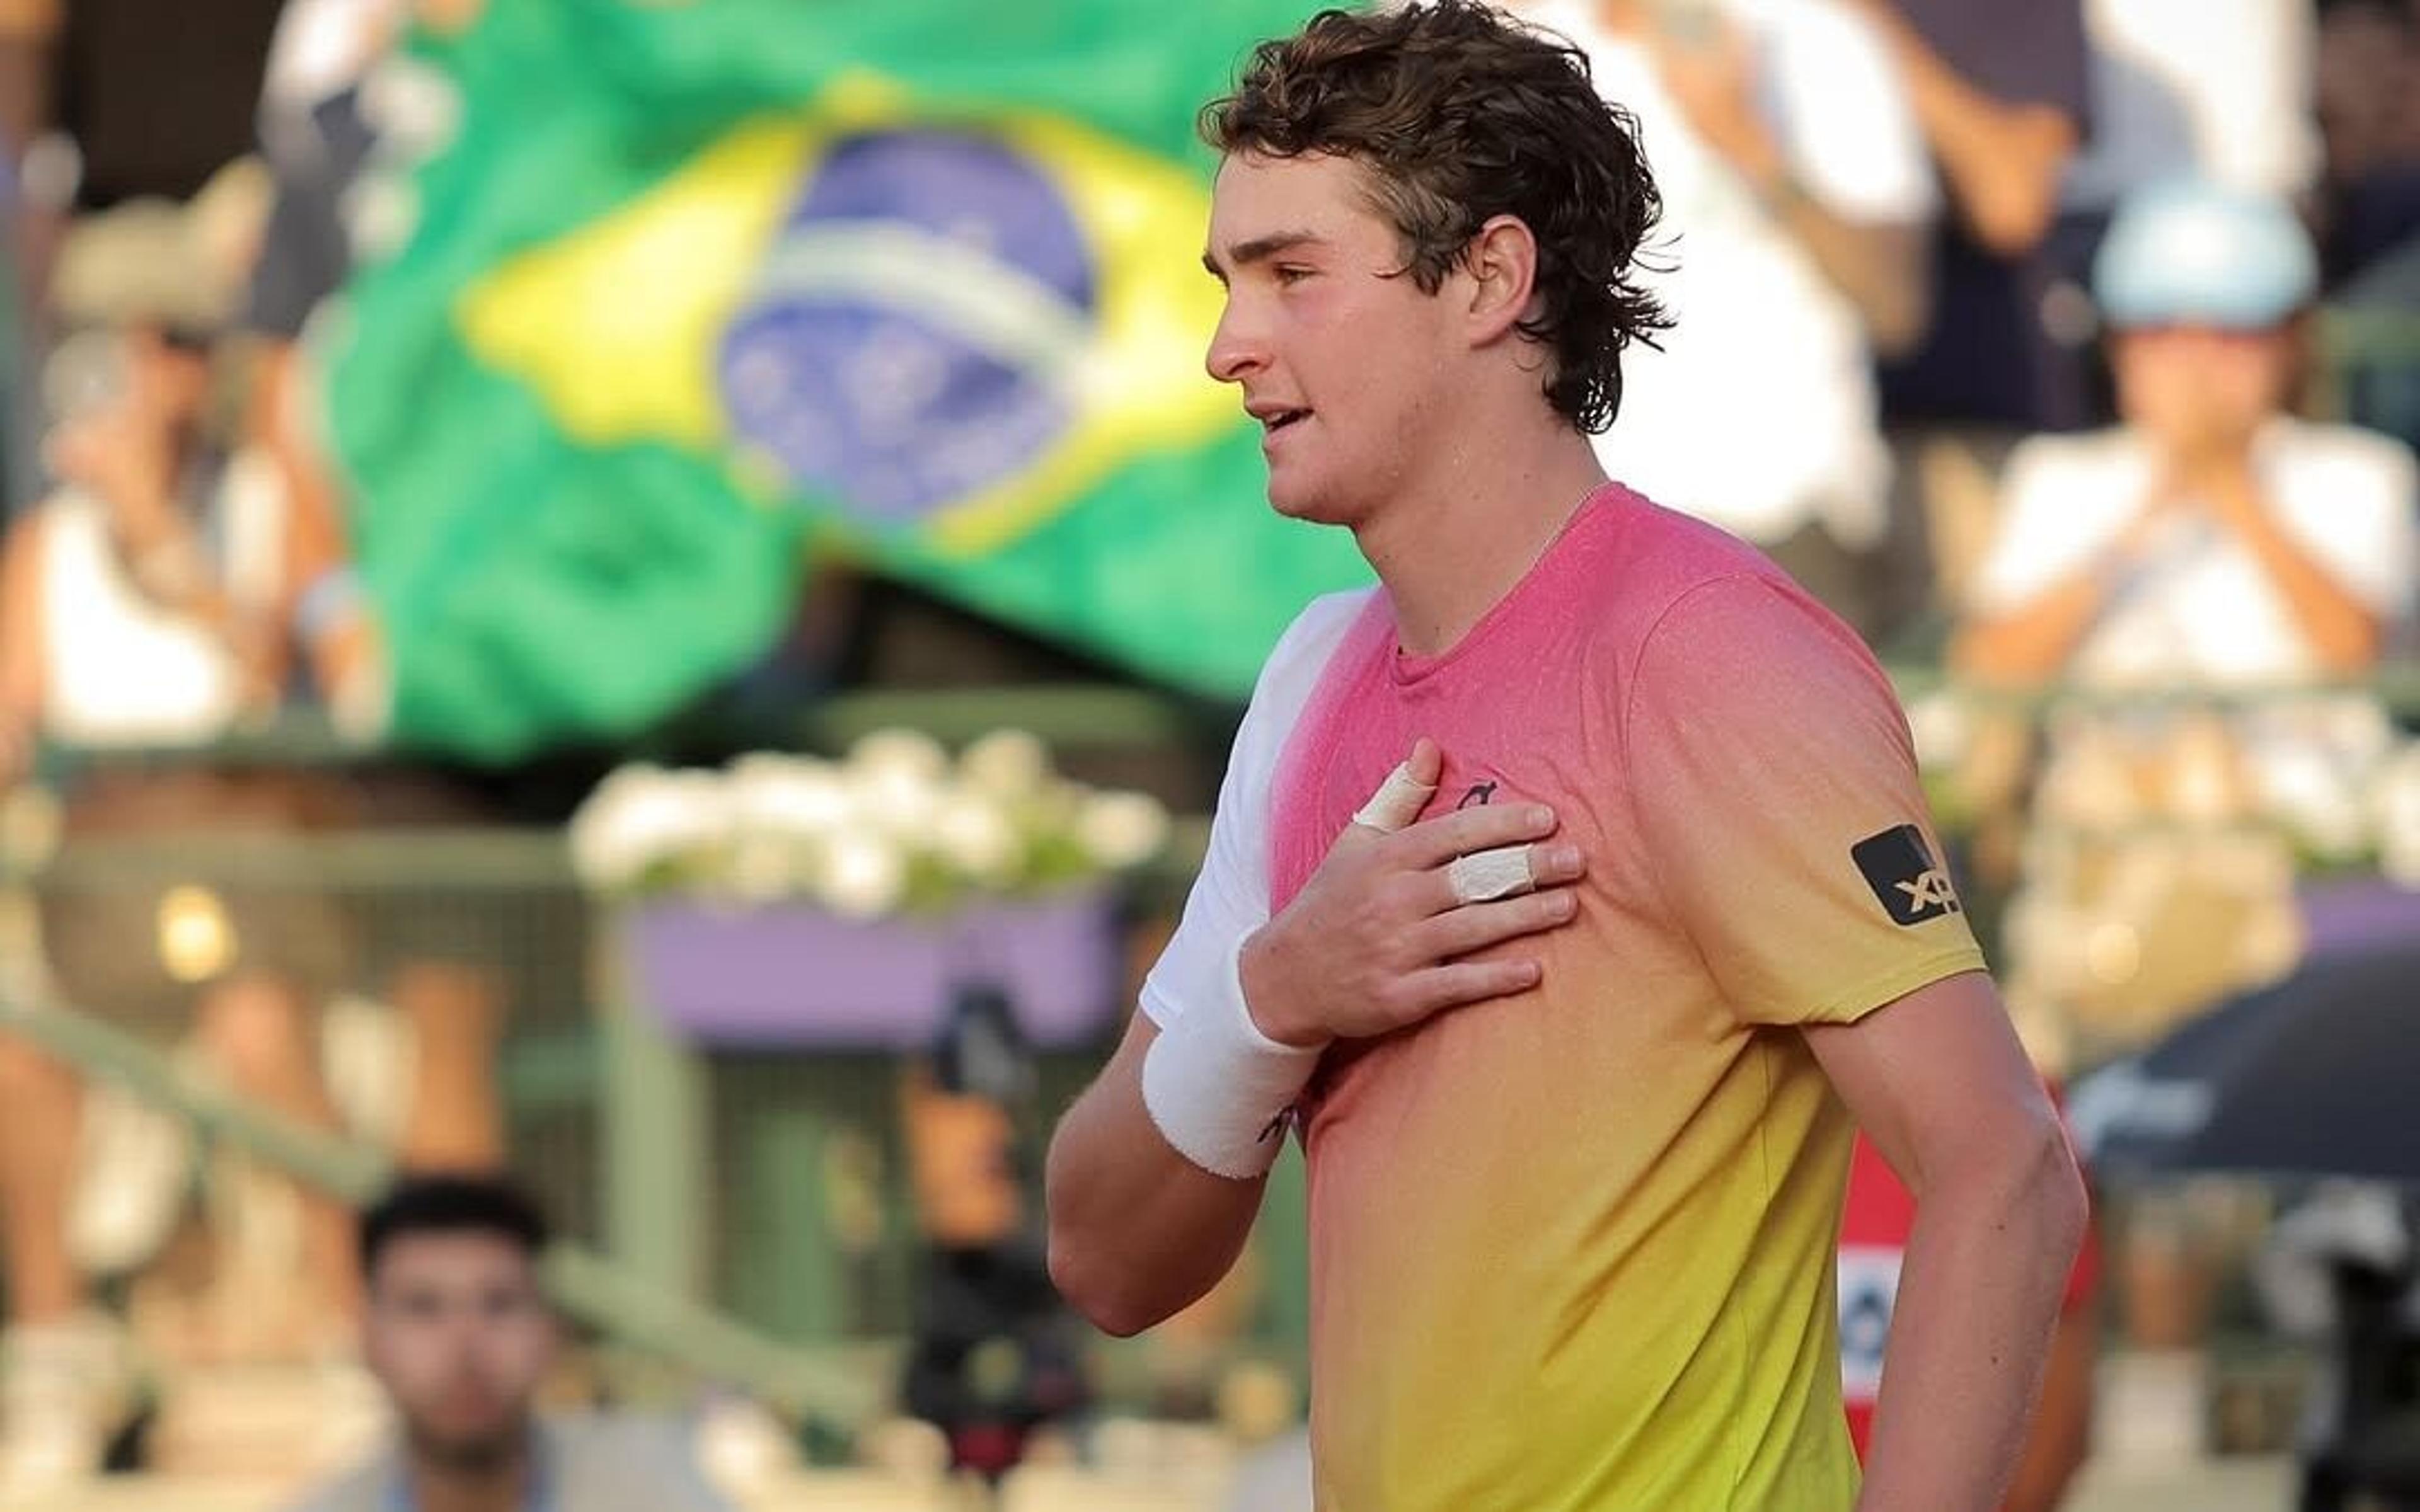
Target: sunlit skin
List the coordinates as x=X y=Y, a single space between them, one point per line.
x=1415 y=419
x=2198 y=391
x=460 y=1337
x=1322 y=323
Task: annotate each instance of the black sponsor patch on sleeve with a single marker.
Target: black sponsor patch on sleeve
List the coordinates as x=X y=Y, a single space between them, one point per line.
x=1899 y=865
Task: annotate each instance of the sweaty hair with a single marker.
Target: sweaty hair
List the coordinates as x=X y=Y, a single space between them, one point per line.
x=1457 y=113
x=452 y=1205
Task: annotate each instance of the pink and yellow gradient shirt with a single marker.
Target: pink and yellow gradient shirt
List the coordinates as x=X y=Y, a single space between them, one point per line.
x=1572 y=1250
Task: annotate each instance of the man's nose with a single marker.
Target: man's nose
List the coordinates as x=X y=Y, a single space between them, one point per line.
x=1238 y=348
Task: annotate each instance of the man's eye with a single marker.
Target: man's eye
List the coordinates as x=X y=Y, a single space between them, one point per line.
x=1292 y=273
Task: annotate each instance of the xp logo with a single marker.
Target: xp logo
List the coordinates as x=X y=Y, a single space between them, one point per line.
x=1899 y=865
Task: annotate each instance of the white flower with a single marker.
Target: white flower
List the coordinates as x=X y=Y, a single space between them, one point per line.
x=1121 y=829
x=863 y=874
x=2395 y=806
x=642 y=816
x=975 y=835
x=1006 y=764
x=900 y=751
x=793 y=796
x=895 y=779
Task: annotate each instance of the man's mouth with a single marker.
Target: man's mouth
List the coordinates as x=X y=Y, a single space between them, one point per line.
x=1278 y=420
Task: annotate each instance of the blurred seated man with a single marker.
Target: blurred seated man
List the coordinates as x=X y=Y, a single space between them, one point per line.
x=458 y=1332
x=2210 y=537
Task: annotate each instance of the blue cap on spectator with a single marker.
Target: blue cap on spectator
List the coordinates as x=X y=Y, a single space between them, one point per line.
x=2193 y=253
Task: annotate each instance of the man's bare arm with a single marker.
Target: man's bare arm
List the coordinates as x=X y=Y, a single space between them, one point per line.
x=1137 y=1232
x=1940 y=1085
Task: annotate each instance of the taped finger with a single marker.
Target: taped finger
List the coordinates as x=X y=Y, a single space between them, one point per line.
x=1398 y=801
x=1484 y=876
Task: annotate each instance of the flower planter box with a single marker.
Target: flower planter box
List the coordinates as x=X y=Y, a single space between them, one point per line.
x=795 y=975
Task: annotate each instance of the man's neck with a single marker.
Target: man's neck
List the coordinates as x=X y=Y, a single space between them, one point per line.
x=1448 y=553
x=502 y=1484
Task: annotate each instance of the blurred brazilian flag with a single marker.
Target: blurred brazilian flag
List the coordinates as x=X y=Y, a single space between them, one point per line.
x=676 y=289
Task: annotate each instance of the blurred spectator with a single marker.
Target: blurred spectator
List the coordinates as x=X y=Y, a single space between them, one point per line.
x=2369 y=87
x=460 y=1335
x=2210 y=540
x=2002 y=94
x=316 y=135
x=139 y=594
x=2209 y=537
x=1795 y=208
x=996 y=1353
x=132 y=608
x=2215 y=89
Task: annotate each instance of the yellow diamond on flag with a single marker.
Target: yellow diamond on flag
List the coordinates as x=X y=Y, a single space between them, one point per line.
x=948 y=326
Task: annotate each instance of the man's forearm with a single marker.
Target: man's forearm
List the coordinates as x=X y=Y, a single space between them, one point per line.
x=1986 y=1268
x=1137 y=1232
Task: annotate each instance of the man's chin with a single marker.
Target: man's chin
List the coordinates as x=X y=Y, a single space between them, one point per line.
x=1309 y=505
x=473 y=1447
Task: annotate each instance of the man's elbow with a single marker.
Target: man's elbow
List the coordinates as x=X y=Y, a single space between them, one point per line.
x=1097 y=1290
x=2053 y=1190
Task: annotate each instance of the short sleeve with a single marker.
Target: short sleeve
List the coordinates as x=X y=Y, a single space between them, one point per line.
x=1230 y=894
x=1776 y=788
x=1845 y=122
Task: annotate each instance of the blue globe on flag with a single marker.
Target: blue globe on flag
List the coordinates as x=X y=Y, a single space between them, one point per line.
x=909 y=337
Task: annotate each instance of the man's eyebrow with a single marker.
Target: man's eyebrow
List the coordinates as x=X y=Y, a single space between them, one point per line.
x=1259 y=249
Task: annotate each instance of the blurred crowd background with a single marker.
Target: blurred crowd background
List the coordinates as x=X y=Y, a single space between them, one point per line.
x=650 y=592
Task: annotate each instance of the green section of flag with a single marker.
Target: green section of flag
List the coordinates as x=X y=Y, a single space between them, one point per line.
x=584 y=498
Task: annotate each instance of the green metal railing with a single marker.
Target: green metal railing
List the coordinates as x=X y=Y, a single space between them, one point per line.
x=592 y=1288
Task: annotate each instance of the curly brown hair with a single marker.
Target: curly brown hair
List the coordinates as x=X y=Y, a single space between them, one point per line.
x=1459 y=114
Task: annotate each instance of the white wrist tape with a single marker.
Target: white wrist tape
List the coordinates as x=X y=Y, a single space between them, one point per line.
x=1398 y=801
x=1218 y=1089
x=1483 y=876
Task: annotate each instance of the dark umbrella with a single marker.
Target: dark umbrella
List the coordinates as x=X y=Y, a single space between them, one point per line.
x=2316 y=1076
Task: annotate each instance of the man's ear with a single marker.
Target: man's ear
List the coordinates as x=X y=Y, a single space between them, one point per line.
x=1503 y=263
